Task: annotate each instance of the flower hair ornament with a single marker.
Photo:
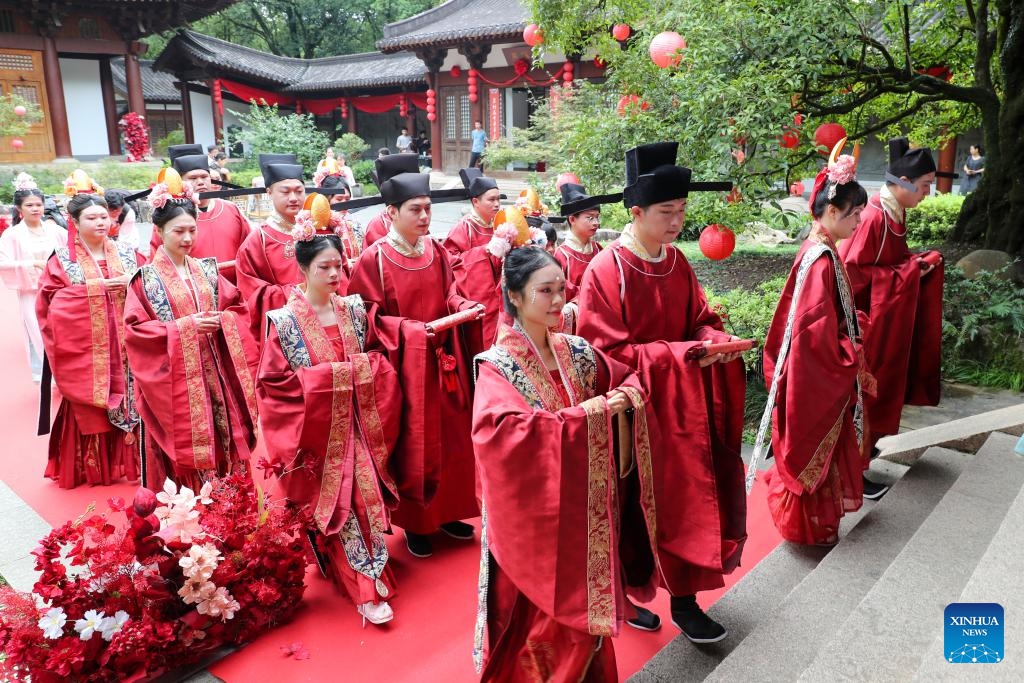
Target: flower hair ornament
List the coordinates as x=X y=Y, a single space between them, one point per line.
x=511 y=231
x=315 y=219
x=840 y=170
x=24 y=182
x=169 y=185
x=79 y=182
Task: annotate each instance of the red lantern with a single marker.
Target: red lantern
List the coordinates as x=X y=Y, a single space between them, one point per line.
x=344 y=108
x=790 y=139
x=567 y=74
x=797 y=189
x=471 y=85
x=20 y=110
x=621 y=32
x=521 y=66
x=431 y=108
x=431 y=116
x=600 y=63
x=17 y=143
x=717 y=242
x=533 y=35
x=827 y=135
x=456 y=71
x=564 y=178
x=666 y=49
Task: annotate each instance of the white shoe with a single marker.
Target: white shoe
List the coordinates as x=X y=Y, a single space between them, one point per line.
x=379 y=613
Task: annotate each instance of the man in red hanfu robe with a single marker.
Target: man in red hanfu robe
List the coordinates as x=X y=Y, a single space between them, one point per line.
x=408 y=277
x=902 y=294
x=221 y=227
x=640 y=303
x=474 y=229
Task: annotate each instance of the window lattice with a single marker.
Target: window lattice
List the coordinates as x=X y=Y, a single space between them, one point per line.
x=12 y=62
x=27 y=92
x=450 y=116
x=466 y=124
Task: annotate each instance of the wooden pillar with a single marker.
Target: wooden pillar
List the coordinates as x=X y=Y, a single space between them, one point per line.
x=186 y=113
x=352 y=127
x=947 y=163
x=218 y=118
x=55 y=97
x=133 y=81
x=436 y=150
x=109 y=107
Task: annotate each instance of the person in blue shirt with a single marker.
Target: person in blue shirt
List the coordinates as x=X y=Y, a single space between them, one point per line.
x=479 y=136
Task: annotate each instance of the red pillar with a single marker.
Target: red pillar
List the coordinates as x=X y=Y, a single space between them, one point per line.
x=109 y=107
x=55 y=98
x=218 y=117
x=435 y=126
x=133 y=81
x=352 y=120
x=947 y=163
x=186 y=113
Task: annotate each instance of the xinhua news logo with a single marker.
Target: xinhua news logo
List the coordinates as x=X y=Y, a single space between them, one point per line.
x=974 y=633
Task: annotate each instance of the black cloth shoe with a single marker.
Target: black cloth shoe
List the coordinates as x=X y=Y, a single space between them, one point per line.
x=691 y=620
x=418 y=544
x=459 y=530
x=873 y=491
x=645 y=619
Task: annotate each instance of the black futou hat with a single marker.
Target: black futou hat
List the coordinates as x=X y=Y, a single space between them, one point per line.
x=576 y=200
x=475 y=182
x=399 y=179
x=190 y=162
x=908 y=163
x=175 y=151
x=277 y=167
x=652 y=176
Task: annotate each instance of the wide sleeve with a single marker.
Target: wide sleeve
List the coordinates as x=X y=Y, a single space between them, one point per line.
x=260 y=295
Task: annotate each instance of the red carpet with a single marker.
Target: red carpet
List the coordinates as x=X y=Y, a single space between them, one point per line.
x=431 y=636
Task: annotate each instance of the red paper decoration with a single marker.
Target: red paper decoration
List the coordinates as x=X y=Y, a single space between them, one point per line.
x=456 y=71
x=521 y=66
x=533 y=35
x=600 y=63
x=666 y=49
x=790 y=139
x=621 y=32
x=716 y=242
x=827 y=135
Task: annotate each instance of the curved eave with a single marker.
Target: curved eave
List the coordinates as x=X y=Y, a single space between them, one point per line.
x=500 y=33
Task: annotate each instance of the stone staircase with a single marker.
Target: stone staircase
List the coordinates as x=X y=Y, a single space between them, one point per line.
x=951 y=529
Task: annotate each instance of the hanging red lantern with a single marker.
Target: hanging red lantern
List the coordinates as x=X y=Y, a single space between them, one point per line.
x=471 y=85
x=666 y=49
x=600 y=63
x=403 y=106
x=827 y=135
x=621 y=32
x=17 y=143
x=455 y=71
x=344 y=107
x=20 y=110
x=717 y=242
x=790 y=139
x=564 y=178
x=797 y=189
x=431 y=116
x=533 y=35
x=567 y=74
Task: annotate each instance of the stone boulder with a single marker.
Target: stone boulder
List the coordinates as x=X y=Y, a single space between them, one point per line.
x=990 y=260
x=763 y=235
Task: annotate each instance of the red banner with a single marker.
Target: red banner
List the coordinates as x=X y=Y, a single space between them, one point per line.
x=494 y=122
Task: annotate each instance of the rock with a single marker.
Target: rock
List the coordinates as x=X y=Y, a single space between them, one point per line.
x=990 y=260
x=605 y=235
x=763 y=235
x=797 y=205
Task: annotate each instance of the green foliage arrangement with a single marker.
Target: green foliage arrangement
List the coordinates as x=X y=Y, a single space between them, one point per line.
x=266 y=131
x=352 y=146
x=932 y=221
x=174 y=137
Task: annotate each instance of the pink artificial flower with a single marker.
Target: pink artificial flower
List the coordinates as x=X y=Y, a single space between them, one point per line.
x=843 y=170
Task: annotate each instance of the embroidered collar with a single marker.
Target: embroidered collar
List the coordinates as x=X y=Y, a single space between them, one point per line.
x=630 y=242
x=476 y=223
x=403 y=247
x=575 y=244
x=890 y=205
x=280 y=223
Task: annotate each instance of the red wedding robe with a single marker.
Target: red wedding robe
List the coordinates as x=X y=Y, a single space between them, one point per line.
x=478 y=278
x=220 y=231
x=816 y=476
x=330 y=414
x=646 y=315
x=574 y=264
x=377 y=227
x=94 y=438
x=468 y=233
x=546 y=448
x=904 y=309
x=433 y=461
x=196 y=394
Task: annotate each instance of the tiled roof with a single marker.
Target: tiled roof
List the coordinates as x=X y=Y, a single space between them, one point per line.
x=157 y=87
x=145 y=17
x=288 y=74
x=457 y=21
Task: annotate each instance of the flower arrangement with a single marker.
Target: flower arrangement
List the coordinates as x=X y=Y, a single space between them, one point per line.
x=160 y=194
x=136 y=136
x=24 y=181
x=843 y=170
x=187 y=574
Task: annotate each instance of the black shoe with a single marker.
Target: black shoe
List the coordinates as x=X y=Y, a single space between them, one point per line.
x=418 y=544
x=645 y=619
x=459 y=530
x=873 y=491
x=689 y=618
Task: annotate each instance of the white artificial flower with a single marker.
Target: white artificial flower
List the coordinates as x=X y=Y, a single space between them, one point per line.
x=204 y=493
x=53 y=622
x=111 y=625
x=89 y=624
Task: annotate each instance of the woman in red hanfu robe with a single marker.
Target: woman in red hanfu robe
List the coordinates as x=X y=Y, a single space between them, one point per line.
x=193 y=357
x=81 y=306
x=556 y=425
x=901 y=292
x=330 y=413
x=813 y=367
x=640 y=303
x=408 y=278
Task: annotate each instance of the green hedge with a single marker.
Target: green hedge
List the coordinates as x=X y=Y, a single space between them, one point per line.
x=109 y=174
x=932 y=221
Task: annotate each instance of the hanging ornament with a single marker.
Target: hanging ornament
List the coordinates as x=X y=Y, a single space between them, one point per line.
x=621 y=32
x=403 y=106
x=456 y=71
x=533 y=35
x=17 y=143
x=472 y=86
x=600 y=63
x=344 y=107
x=790 y=139
x=827 y=135
x=567 y=74
x=717 y=242
x=521 y=66
x=20 y=110
x=666 y=49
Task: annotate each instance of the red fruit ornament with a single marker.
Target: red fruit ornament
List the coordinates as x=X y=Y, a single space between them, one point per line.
x=533 y=35
x=827 y=135
x=621 y=32
x=717 y=242
x=666 y=49
x=144 y=502
x=564 y=178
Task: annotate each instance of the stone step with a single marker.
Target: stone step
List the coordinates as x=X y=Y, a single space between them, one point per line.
x=966 y=434
x=889 y=632
x=996 y=579
x=814 y=610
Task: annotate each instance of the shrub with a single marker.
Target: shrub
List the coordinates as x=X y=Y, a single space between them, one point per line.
x=932 y=220
x=266 y=131
x=50 y=177
x=174 y=137
x=748 y=314
x=363 y=172
x=352 y=146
